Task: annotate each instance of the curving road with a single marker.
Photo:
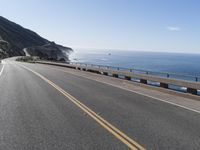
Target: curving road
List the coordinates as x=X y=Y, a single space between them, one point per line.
x=44 y=108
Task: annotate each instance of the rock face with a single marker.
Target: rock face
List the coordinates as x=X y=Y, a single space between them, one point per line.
x=18 y=41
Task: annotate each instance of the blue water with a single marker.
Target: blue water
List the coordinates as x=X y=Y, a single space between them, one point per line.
x=180 y=63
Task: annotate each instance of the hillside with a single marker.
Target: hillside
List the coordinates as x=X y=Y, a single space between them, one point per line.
x=16 y=40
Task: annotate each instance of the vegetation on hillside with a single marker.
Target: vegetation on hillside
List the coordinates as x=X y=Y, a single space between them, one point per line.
x=14 y=40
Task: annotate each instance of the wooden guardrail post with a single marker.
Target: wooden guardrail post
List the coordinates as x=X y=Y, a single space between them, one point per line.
x=143 y=81
x=164 y=85
x=105 y=73
x=115 y=75
x=192 y=91
x=127 y=78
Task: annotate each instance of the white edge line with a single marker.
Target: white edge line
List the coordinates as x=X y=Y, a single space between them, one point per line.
x=138 y=93
x=2 y=70
x=147 y=95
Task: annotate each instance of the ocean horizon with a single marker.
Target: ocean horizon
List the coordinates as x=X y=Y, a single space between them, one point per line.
x=179 y=63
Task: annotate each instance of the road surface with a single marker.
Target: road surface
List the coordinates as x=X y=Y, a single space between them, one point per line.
x=43 y=108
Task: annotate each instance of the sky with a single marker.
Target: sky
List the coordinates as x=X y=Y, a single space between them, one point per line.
x=142 y=25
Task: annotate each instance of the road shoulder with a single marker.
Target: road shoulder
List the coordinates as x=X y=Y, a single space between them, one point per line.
x=165 y=95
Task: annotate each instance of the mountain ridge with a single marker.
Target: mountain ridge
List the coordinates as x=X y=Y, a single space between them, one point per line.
x=14 y=39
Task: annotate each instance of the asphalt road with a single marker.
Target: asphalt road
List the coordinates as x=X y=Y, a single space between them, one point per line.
x=36 y=115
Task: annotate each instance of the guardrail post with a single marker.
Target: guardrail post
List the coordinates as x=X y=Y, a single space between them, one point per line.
x=164 y=85
x=192 y=91
x=167 y=75
x=127 y=78
x=105 y=73
x=115 y=75
x=196 y=79
x=143 y=81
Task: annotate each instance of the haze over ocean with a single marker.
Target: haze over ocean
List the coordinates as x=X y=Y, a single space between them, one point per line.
x=181 y=63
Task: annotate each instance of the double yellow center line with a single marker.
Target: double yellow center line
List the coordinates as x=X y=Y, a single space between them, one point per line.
x=105 y=124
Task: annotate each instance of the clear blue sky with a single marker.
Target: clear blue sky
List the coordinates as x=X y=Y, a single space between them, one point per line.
x=152 y=25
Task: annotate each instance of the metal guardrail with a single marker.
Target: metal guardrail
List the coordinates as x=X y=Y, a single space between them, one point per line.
x=164 y=80
x=140 y=71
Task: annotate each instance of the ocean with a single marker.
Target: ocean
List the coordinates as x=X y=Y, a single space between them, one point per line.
x=177 y=65
x=180 y=63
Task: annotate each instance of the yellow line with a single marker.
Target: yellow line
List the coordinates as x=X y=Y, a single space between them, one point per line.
x=116 y=132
